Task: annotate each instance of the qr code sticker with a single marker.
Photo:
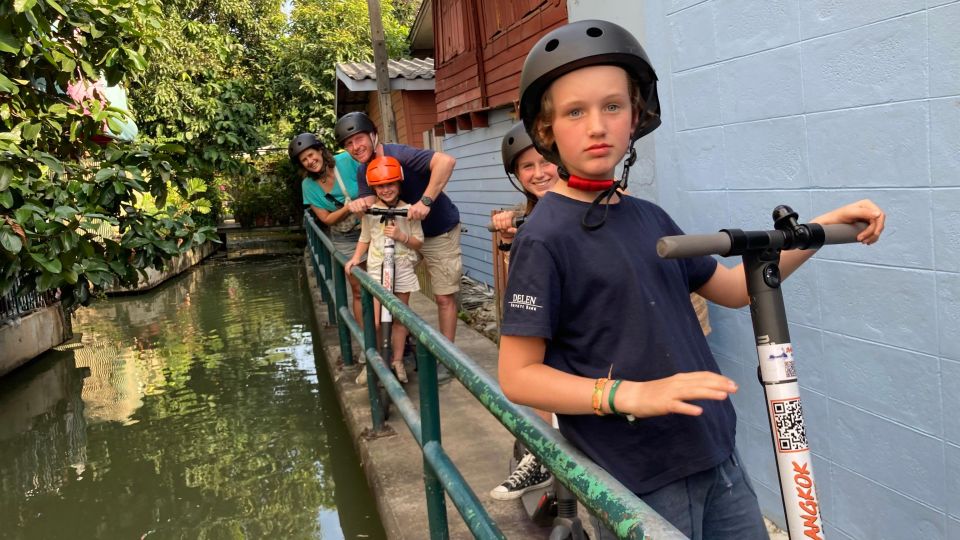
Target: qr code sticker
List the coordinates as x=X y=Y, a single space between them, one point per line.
x=788 y=419
x=791 y=370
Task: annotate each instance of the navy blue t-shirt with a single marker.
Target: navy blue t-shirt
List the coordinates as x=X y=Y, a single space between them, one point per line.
x=443 y=215
x=603 y=298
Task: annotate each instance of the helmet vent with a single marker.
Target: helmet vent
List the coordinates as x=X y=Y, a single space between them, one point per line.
x=510 y=140
x=552 y=44
x=594 y=32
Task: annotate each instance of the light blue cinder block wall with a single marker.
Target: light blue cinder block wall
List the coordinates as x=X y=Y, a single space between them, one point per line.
x=815 y=104
x=477 y=186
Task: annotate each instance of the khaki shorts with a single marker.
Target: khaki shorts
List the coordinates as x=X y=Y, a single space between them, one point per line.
x=442 y=256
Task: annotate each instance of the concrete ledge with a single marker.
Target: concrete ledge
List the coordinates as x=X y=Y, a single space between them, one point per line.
x=31 y=336
x=173 y=268
x=475 y=440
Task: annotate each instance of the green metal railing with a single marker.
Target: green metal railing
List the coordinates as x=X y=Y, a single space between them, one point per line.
x=605 y=497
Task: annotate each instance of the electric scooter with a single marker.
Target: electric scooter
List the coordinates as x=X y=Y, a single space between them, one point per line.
x=761 y=257
x=387 y=271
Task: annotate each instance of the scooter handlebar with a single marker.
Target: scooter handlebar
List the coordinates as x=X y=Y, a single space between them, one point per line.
x=696 y=245
x=387 y=212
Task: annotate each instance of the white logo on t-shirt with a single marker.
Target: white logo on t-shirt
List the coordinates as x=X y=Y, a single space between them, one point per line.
x=522 y=301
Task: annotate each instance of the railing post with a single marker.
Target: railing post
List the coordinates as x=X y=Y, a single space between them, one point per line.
x=340 y=292
x=326 y=258
x=430 y=425
x=370 y=342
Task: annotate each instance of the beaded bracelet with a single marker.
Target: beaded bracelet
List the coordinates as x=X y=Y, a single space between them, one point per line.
x=597 y=400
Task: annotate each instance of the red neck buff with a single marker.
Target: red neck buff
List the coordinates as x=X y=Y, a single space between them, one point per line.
x=584 y=184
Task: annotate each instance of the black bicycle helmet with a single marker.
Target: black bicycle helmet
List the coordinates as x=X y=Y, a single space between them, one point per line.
x=581 y=44
x=350 y=123
x=300 y=143
x=514 y=143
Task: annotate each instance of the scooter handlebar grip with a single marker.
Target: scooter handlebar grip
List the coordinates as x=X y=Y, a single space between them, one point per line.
x=842 y=233
x=693 y=245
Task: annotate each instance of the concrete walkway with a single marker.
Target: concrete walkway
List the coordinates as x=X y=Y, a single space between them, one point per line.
x=476 y=442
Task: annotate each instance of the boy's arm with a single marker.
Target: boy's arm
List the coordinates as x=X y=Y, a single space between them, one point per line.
x=526 y=380
x=728 y=286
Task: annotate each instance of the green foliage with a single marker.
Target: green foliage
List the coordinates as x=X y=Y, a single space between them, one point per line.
x=67 y=211
x=323 y=33
x=270 y=195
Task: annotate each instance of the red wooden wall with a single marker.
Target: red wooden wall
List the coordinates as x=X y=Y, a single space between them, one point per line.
x=480 y=49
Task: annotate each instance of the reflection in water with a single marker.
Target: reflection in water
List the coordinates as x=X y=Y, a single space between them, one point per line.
x=191 y=412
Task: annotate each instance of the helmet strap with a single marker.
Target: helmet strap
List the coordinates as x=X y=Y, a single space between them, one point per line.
x=612 y=188
x=584 y=184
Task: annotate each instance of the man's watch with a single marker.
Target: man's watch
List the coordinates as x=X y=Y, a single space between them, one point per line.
x=427 y=201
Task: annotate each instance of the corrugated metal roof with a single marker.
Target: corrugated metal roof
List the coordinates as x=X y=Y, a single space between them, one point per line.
x=408 y=68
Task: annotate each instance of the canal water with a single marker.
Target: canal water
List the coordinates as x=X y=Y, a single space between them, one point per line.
x=193 y=411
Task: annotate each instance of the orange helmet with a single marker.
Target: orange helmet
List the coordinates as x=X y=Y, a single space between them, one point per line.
x=384 y=170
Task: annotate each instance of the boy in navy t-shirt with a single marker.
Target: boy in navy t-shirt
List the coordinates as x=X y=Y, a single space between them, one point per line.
x=597 y=327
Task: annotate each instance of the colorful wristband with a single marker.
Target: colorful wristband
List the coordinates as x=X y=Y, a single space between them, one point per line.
x=597 y=400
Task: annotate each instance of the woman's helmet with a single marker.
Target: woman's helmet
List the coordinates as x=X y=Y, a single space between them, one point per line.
x=351 y=123
x=578 y=45
x=300 y=143
x=384 y=170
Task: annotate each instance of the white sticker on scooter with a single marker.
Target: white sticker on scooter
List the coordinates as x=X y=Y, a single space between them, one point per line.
x=776 y=362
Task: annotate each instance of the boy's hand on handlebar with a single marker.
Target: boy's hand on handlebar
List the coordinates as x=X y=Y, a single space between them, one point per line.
x=673 y=394
x=864 y=210
x=350 y=264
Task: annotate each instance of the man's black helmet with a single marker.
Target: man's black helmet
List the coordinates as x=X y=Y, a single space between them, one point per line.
x=300 y=143
x=578 y=45
x=514 y=143
x=351 y=123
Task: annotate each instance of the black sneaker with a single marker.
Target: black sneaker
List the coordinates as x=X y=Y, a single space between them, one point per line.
x=528 y=475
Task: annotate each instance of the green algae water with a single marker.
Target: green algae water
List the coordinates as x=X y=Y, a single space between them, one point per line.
x=194 y=411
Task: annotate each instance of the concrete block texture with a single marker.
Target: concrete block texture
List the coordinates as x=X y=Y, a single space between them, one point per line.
x=896 y=456
x=949 y=381
x=865 y=509
x=945 y=142
x=699 y=156
x=953 y=479
x=878 y=63
x=892 y=383
x=821 y=17
x=763 y=85
x=869 y=147
x=946 y=223
x=745 y=27
x=697 y=102
x=693 y=41
x=908 y=236
x=822 y=103
x=885 y=305
x=767 y=154
x=948 y=311
x=944 y=46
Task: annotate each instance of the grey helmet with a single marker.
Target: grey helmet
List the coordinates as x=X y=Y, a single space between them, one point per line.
x=351 y=123
x=514 y=143
x=300 y=143
x=581 y=44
